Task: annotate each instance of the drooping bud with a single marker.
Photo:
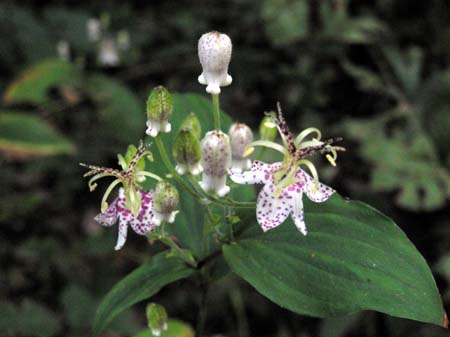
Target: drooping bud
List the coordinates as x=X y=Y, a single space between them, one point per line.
x=240 y=136
x=192 y=123
x=267 y=129
x=216 y=160
x=159 y=109
x=165 y=203
x=157 y=318
x=187 y=152
x=214 y=52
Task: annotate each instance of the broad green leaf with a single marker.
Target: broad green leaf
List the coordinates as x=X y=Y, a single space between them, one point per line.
x=118 y=107
x=175 y=328
x=140 y=284
x=34 y=82
x=353 y=258
x=24 y=135
x=28 y=319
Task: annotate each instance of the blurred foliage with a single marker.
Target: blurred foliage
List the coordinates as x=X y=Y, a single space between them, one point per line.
x=377 y=71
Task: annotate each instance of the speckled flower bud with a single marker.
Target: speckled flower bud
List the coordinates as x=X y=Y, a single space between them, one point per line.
x=192 y=123
x=216 y=160
x=165 y=203
x=214 y=52
x=159 y=109
x=240 y=136
x=187 y=152
x=267 y=130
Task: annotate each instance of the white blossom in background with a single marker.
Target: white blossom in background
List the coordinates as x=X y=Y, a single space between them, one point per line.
x=240 y=136
x=93 y=29
x=63 y=50
x=216 y=161
x=214 y=52
x=108 y=53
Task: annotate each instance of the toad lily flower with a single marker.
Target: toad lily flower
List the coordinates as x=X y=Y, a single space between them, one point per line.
x=141 y=224
x=214 y=52
x=285 y=182
x=133 y=205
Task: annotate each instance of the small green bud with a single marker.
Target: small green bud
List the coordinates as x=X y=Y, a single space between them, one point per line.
x=157 y=318
x=187 y=152
x=192 y=123
x=267 y=129
x=159 y=109
x=165 y=203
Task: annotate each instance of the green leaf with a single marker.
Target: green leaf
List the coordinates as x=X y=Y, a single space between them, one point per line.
x=34 y=82
x=140 y=284
x=119 y=108
x=26 y=135
x=353 y=258
x=175 y=328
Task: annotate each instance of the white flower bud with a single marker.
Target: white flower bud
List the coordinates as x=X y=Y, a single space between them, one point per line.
x=214 y=52
x=216 y=160
x=63 y=50
x=240 y=136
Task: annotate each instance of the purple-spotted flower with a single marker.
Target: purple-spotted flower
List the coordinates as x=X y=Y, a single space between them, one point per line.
x=142 y=223
x=214 y=52
x=285 y=182
x=216 y=161
x=240 y=136
x=133 y=206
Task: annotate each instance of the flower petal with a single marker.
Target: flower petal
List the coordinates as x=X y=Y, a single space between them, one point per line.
x=271 y=211
x=260 y=173
x=143 y=223
x=122 y=237
x=320 y=194
x=108 y=217
x=297 y=213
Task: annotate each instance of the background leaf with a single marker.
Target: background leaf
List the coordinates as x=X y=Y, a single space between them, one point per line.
x=140 y=284
x=353 y=258
x=26 y=135
x=33 y=84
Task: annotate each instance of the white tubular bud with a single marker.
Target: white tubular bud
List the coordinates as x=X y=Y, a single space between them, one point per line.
x=216 y=160
x=214 y=52
x=240 y=136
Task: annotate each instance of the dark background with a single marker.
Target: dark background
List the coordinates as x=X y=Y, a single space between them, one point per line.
x=374 y=72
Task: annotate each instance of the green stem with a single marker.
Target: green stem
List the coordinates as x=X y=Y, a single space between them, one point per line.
x=168 y=164
x=215 y=100
x=183 y=254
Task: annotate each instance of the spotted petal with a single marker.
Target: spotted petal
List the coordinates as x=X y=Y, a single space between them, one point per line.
x=122 y=236
x=143 y=223
x=108 y=217
x=270 y=211
x=260 y=173
x=298 y=214
x=319 y=193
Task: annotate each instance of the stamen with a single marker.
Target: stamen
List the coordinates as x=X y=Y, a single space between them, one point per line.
x=265 y=143
x=313 y=171
x=92 y=186
x=302 y=135
x=149 y=174
x=104 y=203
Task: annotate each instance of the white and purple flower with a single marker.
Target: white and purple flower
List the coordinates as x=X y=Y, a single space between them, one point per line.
x=272 y=210
x=118 y=212
x=285 y=182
